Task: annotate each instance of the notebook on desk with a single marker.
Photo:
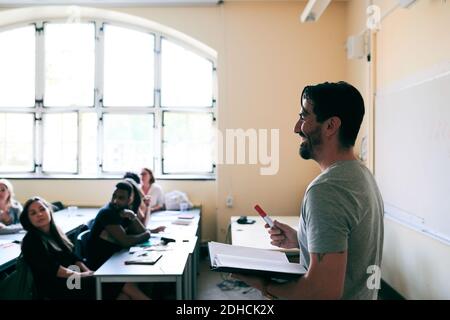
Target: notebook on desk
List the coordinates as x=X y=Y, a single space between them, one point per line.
x=146 y=257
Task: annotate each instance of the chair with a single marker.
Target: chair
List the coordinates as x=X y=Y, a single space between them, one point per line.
x=57 y=206
x=81 y=244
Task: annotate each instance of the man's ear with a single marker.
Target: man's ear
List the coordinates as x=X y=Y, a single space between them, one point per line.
x=333 y=126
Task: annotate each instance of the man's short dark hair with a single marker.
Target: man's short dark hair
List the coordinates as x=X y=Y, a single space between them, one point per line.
x=340 y=100
x=123 y=185
x=133 y=176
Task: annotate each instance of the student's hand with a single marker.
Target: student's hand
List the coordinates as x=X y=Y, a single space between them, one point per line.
x=85 y=274
x=283 y=236
x=2 y=225
x=128 y=214
x=159 y=229
x=147 y=200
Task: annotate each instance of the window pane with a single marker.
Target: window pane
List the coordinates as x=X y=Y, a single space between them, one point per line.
x=188 y=145
x=88 y=153
x=127 y=142
x=17 y=65
x=186 y=78
x=69 y=65
x=16 y=142
x=129 y=68
x=60 y=142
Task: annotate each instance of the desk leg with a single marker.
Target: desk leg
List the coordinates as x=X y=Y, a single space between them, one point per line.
x=187 y=283
x=98 y=283
x=179 y=285
x=195 y=272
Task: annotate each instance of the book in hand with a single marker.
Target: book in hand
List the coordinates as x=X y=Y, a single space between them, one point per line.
x=252 y=261
x=144 y=257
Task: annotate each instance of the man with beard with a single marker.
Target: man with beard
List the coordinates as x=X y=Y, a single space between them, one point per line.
x=340 y=234
x=115 y=227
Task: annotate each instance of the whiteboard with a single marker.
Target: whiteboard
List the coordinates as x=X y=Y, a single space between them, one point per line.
x=412 y=152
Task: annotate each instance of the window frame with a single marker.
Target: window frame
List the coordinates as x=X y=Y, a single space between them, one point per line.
x=39 y=109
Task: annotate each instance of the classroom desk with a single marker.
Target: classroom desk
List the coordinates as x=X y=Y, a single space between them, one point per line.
x=173 y=266
x=9 y=252
x=67 y=223
x=166 y=218
x=256 y=236
x=179 y=265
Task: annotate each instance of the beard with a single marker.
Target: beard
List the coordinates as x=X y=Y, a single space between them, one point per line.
x=305 y=150
x=311 y=141
x=119 y=207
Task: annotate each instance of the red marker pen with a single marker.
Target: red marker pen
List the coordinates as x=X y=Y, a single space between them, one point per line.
x=264 y=215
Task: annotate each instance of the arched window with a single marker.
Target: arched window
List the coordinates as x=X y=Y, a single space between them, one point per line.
x=98 y=97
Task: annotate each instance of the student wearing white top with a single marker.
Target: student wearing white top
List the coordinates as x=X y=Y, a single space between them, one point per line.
x=153 y=193
x=9 y=208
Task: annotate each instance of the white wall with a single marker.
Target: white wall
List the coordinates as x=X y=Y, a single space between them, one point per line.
x=410 y=40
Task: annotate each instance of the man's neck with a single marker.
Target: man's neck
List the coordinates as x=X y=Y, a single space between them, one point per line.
x=328 y=159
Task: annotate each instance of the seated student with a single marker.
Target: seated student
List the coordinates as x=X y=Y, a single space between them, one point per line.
x=49 y=253
x=153 y=192
x=9 y=208
x=116 y=227
x=138 y=206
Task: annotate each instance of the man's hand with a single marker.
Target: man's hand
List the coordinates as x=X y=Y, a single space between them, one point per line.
x=85 y=274
x=252 y=281
x=128 y=214
x=283 y=236
x=159 y=229
x=147 y=199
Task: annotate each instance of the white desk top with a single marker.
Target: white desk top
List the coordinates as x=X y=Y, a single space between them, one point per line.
x=171 y=263
x=8 y=254
x=255 y=235
x=69 y=222
x=167 y=219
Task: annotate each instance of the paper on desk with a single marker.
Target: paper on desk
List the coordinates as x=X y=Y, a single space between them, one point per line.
x=5 y=241
x=158 y=247
x=182 y=222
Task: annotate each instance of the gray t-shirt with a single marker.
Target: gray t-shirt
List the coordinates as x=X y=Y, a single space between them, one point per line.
x=343 y=211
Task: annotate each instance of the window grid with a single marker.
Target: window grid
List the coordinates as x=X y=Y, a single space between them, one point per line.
x=98 y=108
